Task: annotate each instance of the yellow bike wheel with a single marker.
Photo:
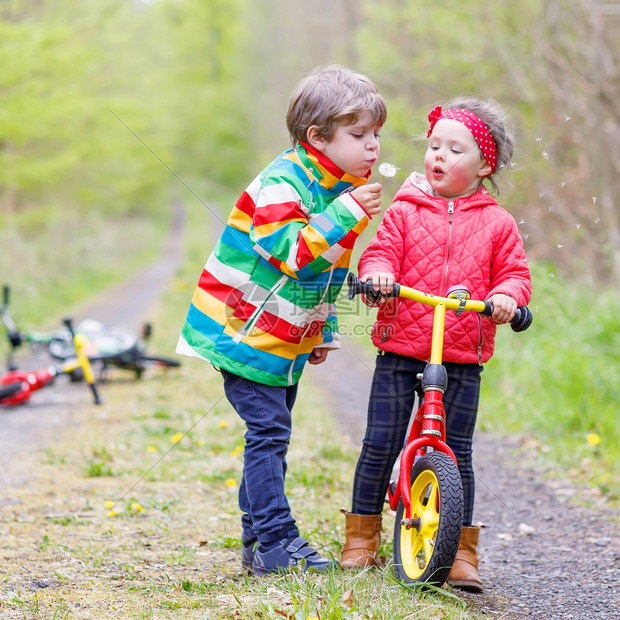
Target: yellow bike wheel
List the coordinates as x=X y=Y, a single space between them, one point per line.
x=425 y=552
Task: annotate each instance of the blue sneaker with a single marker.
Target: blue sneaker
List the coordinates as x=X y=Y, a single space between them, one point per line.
x=247 y=554
x=289 y=553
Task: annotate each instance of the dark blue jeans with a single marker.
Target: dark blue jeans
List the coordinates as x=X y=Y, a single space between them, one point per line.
x=389 y=409
x=266 y=411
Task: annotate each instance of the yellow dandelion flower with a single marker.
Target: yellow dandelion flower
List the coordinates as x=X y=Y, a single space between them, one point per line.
x=223 y=424
x=112 y=513
x=593 y=439
x=199 y=443
x=136 y=507
x=231 y=483
x=177 y=437
x=151 y=449
x=109 y=504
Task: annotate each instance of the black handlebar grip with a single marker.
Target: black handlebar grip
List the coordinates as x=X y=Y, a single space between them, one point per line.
x=357 y=287
x=69 y=325
x=5 y=295
x=522 y=319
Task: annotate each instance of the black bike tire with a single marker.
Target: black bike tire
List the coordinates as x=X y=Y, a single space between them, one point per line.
x=448 y=534
x=158 y=360
x=9 y=389
x=144 y=362
x=114 y=341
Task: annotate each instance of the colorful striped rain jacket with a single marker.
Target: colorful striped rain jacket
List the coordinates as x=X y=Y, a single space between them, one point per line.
x=266 y=297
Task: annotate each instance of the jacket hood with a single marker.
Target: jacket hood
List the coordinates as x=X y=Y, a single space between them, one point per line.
x=418 y=190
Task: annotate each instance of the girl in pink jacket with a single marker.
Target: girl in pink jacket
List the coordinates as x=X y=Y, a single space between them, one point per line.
x=443 y=229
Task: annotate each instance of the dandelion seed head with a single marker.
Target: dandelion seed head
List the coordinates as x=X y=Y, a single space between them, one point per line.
x=387 y=170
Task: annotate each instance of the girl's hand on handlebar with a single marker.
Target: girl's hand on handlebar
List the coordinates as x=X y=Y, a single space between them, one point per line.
x=504 y=308
x=369 y=196
x=382 y=282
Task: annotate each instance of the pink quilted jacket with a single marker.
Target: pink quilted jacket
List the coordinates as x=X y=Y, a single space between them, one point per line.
x=432 y=244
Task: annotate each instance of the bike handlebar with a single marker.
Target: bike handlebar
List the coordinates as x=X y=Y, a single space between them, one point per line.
x=520 y=322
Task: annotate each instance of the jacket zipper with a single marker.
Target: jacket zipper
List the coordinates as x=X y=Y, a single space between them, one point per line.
x=259 y=310
x=445 y=275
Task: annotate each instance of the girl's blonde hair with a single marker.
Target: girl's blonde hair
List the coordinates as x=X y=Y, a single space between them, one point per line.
x=491 y=113
x=329 y=97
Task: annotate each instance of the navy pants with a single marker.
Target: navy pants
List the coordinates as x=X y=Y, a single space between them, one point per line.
x=266 y=411
x=390 y=406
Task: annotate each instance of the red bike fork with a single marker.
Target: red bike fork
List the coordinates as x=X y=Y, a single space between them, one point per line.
x=427 y=434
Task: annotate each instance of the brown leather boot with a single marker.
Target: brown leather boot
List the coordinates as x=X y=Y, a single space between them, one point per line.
x=362 y=540
x=464 y=573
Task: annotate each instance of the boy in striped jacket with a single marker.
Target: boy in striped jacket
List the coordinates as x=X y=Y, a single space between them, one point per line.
x=265 y=302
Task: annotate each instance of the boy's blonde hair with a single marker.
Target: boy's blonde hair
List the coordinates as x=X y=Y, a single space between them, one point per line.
x=329 y=97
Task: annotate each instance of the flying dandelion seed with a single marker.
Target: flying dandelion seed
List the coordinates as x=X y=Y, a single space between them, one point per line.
x=551 y=275
x=538 y=139
x=526 y=236
x=567 y=118
x=501 y=166
x=522 y=221
x=593 y=200
x=577 y=226
x=561 y=245
x=597 y=220
x=513 y=163
x=540 y=194
x=545 y=154
x=562 y=183
x=550 y=209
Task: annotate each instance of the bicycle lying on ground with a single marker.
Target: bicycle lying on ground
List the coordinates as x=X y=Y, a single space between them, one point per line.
x=17 y=386
x=428 y=495
x=108 y=347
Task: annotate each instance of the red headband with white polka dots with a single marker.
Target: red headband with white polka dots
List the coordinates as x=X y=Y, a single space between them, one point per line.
x=478 y=129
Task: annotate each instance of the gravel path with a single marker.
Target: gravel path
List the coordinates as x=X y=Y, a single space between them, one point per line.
x=540 y=556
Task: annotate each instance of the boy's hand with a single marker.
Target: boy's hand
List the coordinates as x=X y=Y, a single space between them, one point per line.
x=504 y=308
x=318 y=355
x=369 y=196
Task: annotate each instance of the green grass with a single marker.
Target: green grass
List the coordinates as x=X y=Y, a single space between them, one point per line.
x=54 y=256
